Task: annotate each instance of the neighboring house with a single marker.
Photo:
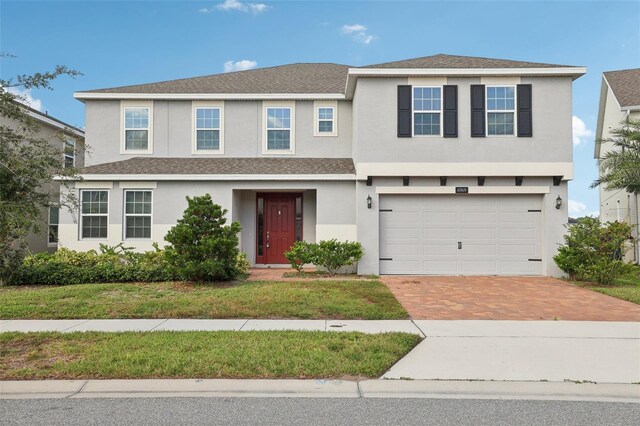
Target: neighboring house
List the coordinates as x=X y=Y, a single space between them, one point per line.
x=70 y=140
x=437 y=165
x=619 y=102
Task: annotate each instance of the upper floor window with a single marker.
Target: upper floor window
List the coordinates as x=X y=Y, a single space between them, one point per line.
x=278 y=129
x=325 y=118
x=501 y=103
x=137 y=129
x=94 y=213
x=69 y=153
x=427 y=111
x=207 y=129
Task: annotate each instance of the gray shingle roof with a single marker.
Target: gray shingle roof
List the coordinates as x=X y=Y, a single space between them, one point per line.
x=294 y=78
x=625 y=85
x=452 y=61
x=225 y=166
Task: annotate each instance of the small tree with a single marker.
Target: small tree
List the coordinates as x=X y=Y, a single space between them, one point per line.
x=28 y=164
x=202 y=247
x=620 y=166
x=594 y=252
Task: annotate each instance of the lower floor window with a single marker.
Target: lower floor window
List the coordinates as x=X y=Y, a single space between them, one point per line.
x=54 y=221
x=138 y=212
x=94 y=213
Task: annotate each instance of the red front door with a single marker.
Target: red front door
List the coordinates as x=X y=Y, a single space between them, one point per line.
x=280 y=222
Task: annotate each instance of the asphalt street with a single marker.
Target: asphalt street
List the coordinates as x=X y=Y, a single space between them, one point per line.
x=312 y=411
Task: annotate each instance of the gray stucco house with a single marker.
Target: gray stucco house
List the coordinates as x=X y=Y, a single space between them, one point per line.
x=437 y=165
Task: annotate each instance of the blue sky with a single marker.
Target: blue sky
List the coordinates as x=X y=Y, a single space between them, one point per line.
x=126 y=42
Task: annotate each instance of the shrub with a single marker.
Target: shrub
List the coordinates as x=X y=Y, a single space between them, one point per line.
x=242 y=263
x=300 y=254
x=593 y=251
x=202 y=247
x=333 y=254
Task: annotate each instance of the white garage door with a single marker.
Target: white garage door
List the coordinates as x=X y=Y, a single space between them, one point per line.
x=461 y=234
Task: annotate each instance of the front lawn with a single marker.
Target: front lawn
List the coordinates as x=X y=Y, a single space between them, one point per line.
x=198 y=354
x=626 y=287
x=347 y=299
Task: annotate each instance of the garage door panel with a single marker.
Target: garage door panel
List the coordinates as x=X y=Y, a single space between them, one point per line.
x=499 y=234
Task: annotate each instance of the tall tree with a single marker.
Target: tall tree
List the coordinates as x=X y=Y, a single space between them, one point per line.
x=28 y=164
x=620 y=166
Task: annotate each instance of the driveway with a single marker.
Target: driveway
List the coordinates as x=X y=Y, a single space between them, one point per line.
x=504 y=298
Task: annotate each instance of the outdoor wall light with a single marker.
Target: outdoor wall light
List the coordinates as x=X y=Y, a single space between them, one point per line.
x=369 y=201
x=558 y=202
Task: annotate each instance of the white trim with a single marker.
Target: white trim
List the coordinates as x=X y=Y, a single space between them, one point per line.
x=93 y=180
x=203 y=104
x=93 y=185
x=125 y=215
x=500 y=81
x=630 y=108
x=577 y=71
x=414 y=112
x=316 y=119
x=341 y=232
x=564 y=169
x=82 y=215
x=124 y=105
x=478 y=190
x=138 y=185
x=209 y=96
x=291 y=106
x=55 y=123
x=514 y=111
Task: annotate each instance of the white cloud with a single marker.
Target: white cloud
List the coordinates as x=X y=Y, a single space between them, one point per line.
x=242 y=65
x=24 y=97
x=580 y=132
x=358 y=32
x=235 y=5
x=577 y=208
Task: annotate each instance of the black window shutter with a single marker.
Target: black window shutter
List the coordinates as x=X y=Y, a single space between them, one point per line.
x=404 y=111
x=477 y=111
x=450 y=104
x=525 y=125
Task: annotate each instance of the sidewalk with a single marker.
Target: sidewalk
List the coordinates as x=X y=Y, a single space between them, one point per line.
x=318 y=389
x=118 y=325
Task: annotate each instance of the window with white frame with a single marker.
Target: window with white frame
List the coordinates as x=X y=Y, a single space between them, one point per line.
x=54 y=223
x=427 y=111
x=207 y=127
x=94 y=213
x=69 y=153
x=278 y=128
x=501 y=104
x=325 y=119
x=136 y=128
x=137 y=213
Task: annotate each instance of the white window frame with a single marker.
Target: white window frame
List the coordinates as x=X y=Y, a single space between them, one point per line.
x=487 y=111
x=415 y=111
x=65 y=155
x=194 y=130
x=292 y=134
x=333 y=105
x=82 y=215
x=49 y=225
x=124 y=106
x=125 y=214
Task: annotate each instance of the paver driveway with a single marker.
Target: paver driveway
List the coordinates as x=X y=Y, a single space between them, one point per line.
x=505 y=298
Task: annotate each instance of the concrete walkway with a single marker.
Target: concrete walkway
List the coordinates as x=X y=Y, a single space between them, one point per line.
x=155 y=388
x=117 y=325
x=602 y=352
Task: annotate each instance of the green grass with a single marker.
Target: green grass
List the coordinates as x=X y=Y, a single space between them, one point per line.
x=355 y=299
x=221 y=354
x=626 y=287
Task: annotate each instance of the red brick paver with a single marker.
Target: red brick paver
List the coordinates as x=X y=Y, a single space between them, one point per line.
x=505 y=298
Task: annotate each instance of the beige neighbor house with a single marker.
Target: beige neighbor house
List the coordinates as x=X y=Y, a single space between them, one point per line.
x=436 y=165
x=619 y=101
x=70 y=139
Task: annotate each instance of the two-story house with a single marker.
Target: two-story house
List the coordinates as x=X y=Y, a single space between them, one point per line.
x=70 y=141
x=437 y=165
x=619 y=102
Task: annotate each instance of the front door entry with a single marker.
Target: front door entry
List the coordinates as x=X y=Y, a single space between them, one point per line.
x=280 y=226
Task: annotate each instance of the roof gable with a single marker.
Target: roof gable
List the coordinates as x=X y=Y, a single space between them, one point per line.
x=625 y=85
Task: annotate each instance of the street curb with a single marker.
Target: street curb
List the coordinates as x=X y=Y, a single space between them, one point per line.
x=433 y=389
